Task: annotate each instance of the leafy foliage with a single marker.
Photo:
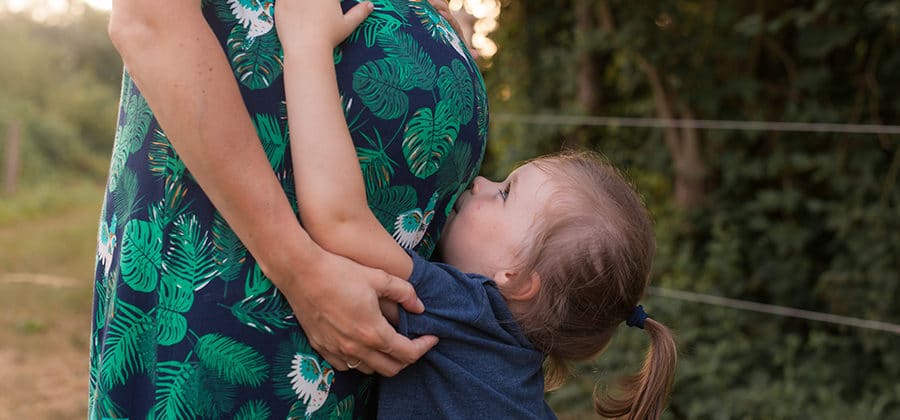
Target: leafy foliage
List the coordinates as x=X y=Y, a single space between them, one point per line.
x=60 y=86
x=794 y=219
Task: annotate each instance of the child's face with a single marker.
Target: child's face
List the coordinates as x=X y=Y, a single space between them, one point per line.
x=491 y=221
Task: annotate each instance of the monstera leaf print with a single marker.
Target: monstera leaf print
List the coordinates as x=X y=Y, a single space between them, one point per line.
x=253 y=410
x=388 y=18
x=382 y=86
x=429 y=137
x=128 y=346
x=403 y=46
x=232 y=360
x=377 y=166
x=452 y=173
x=387 y=203
x=176 y=296
x=190 y=254
x=171 y=327
x=455 y=87
x=172 y=397
x=141 y=255
x=482 y=111
x=256 y=61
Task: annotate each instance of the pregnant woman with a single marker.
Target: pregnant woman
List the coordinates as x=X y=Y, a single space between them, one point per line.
x=203 y=271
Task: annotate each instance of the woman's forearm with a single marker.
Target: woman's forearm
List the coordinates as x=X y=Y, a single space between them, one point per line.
x=176 y=62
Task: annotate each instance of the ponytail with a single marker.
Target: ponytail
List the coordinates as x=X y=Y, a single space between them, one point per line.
x=643 y=396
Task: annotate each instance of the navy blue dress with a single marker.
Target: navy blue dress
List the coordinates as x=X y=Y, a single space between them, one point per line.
x=185 y=325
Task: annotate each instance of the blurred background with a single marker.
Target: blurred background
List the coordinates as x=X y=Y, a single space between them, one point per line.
x=763 y=134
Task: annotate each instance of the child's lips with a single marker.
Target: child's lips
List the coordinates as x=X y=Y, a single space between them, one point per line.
x=459 y=201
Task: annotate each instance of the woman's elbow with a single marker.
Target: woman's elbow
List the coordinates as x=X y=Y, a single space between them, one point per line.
x=135 y=26
x=128 y=30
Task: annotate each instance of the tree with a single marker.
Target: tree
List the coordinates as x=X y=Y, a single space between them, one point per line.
x=61 y=86
x=797 y=219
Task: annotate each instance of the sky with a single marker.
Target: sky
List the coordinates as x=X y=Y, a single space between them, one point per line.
x=45 y=9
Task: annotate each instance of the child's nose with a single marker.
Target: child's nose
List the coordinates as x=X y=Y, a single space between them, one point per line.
x=479 y=183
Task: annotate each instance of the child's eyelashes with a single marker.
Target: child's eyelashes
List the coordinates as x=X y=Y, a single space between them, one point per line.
x=504 y=192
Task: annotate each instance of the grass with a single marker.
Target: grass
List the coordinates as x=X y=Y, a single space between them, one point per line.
x=47 y=247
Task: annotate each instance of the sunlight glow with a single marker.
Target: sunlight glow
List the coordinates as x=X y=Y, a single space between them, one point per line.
x=99 y=4
x=486 y=13
x=53 y=11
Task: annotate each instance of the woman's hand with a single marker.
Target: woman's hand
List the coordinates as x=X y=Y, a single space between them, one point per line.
x=336 y=302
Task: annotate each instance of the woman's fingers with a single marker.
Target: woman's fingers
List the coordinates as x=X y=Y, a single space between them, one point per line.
x=400 y=291
x=400 y=353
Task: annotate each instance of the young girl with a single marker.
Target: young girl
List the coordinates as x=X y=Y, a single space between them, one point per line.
x=541 y=268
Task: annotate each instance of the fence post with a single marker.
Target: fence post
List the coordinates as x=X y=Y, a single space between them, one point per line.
x=11 y=166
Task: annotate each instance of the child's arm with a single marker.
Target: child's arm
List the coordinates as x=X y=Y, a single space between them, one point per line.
x=330 y=191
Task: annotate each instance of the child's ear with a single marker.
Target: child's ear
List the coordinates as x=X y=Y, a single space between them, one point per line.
x=516 y=287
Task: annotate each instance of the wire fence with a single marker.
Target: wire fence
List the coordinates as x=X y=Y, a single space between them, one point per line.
x=774 y=126
x=777 y=310
x=636 y=122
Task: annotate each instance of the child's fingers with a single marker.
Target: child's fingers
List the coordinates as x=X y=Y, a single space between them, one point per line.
x=440 y=5
x=356 y=15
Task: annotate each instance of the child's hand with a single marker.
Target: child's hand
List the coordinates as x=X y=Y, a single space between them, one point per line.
x=443 y=8
x=304 y=21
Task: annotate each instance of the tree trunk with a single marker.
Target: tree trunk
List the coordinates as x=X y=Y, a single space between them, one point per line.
x=683 y=144
x=588 y=86
x=12 y=163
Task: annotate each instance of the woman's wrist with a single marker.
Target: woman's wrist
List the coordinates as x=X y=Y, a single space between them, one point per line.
x=289 y=256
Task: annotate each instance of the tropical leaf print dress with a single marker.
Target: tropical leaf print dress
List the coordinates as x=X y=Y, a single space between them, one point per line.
x=185 y=325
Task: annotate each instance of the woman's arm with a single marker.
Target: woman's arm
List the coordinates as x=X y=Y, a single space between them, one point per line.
x=174 y=58
x=331 y=194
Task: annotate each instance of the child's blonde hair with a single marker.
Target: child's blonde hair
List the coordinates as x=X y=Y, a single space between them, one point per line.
x=592 y=249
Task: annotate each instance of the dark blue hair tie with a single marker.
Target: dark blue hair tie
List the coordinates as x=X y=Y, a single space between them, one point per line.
x=637 y=317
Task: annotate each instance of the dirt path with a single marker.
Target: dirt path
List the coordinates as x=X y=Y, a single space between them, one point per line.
x=44 y=335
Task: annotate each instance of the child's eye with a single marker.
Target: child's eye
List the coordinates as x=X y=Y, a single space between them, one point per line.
x=504 y=193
